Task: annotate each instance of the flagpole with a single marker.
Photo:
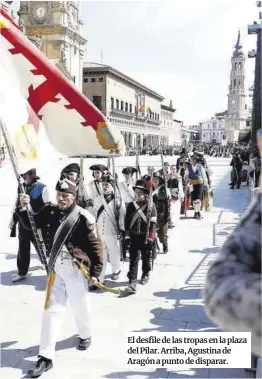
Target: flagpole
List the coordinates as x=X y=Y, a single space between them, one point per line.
x=40 y=246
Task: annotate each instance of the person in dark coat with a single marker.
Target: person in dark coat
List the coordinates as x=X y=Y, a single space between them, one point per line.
x=236 y=165
x=67 y=282
x=39 y=195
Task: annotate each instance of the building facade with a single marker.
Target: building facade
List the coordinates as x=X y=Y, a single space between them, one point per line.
x=134 y=108
x=170 y=133
x=213 y=131
x=56 y=28
x=237 y=112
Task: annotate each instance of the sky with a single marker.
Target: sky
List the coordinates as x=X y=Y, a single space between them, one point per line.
x=179 y=48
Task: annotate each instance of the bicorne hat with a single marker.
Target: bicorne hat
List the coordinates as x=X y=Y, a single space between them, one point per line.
x=98 y=167
x=129 y=170
x=159 y=177
x=67 y=186
x=32 y=172
x=72 y=167
x=141 y=185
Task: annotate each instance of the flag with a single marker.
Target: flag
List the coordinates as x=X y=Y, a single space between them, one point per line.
x=74 y=126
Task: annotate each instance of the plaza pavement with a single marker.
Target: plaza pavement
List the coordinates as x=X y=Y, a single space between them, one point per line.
x=172 y=300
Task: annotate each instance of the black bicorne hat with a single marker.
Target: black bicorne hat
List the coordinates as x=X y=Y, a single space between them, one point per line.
x=72 y=167
x=159 y=177
x=141 y=185
x=98 y=167
x=129 y=170
x=108 y=179
x=32 y=172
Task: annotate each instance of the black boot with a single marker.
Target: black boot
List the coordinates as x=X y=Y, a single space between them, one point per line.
x=165 y=247
x=144 y=279
x=131 y=289
x=195 y=215
x=199 y=217
x=43 y=364
x=83 y=344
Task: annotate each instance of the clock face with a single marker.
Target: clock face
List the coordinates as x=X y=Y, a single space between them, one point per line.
x=40 y=12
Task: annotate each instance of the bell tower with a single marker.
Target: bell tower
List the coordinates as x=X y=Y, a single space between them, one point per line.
x=55 y=27
x=237 y=110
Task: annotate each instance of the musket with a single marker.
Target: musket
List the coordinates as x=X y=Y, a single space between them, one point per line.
x=138 y=173
x=40 y=246
x=149 y=208
x=116 y=210
x=164 y=176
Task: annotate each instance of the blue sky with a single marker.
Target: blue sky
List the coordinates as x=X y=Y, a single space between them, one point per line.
x=179 y=48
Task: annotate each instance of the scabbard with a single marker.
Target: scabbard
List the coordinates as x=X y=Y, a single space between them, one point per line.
x=96 y=283
x=49 y=285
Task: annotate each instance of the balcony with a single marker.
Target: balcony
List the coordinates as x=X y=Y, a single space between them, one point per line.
x=116 y=111
x=252 y=54
x=259 y=4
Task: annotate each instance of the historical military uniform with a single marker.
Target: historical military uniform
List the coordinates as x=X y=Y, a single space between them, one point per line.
x=126 y=187
x=82 y=198
x=135 y=237
x=110 y=218
x=68 y=282
x=161 y=198
x=175 y=186
x=196 y=175
x=38 y=197
x=94 y=187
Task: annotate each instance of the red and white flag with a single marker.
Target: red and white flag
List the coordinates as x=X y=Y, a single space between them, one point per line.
x=29 y=81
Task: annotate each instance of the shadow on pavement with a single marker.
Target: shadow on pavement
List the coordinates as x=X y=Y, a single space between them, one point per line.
x=18 y=358
x=39 y=282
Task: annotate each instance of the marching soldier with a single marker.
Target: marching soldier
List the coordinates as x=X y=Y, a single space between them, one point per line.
x=161 y=198
x=94 y=188
x=72 y=171
x=126 y=187
x=110 y=211
x=196 y=176
x=69 y=232
x=38 y=195
x=175 y=186
x=135 y=235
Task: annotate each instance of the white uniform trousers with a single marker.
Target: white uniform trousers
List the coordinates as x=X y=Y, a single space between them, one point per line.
x=71 y=285
x=175 y=210
x=111 y=253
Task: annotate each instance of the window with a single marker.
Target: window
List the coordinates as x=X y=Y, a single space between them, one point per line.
x=122 y=106
x=235 y=66
x=135 y=109
x=130 y=108
x=112 y=103
x=101 y=80
x=235 y=82
x=204 y=135
x=85 y=80
x=75 y=50
x=74 y=79
x=126 y=107
x=239 y=65
x=117 y=104
x=97 y=101
x=93 y=80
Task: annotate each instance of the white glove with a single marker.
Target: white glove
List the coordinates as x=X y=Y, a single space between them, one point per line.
x=24 y=200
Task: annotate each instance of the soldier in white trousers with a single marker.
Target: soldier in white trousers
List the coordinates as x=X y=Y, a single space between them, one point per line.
x=109 y=211
x=69 y=232
x=175 y=186
x=126 y=187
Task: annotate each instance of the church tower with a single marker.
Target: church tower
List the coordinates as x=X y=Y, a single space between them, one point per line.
x=237 y=110
x=55 y=27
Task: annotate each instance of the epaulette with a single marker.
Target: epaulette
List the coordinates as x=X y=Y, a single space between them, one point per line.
x=90 y=219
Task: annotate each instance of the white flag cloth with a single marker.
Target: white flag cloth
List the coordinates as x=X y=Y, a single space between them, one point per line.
x=74 y=126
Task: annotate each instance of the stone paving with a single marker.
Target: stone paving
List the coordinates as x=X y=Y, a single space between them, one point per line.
x=172 y=300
